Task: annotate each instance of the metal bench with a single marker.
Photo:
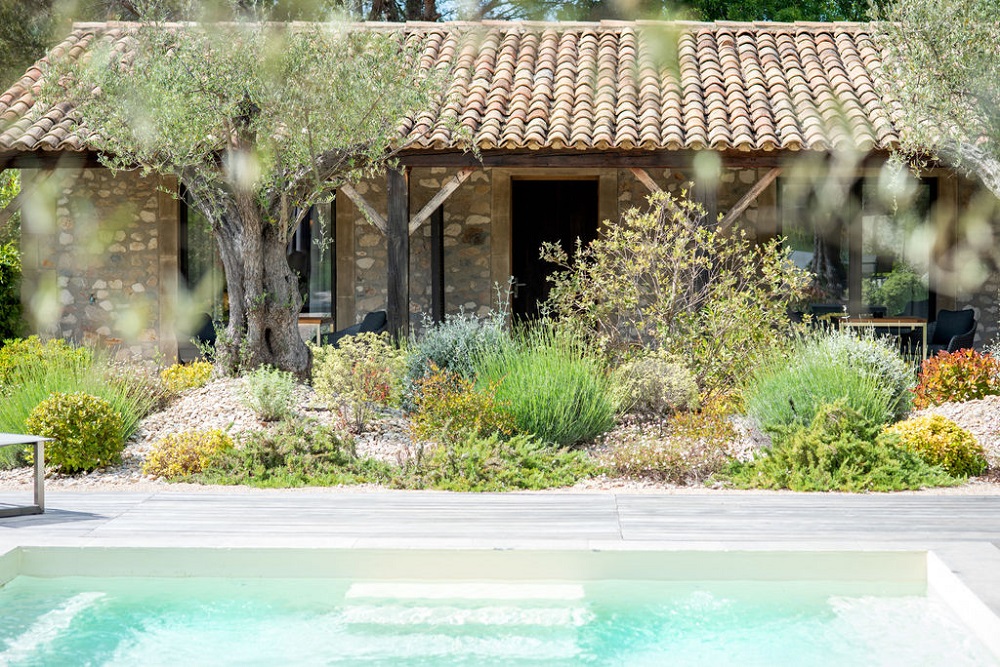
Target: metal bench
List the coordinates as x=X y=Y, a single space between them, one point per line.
x=11 y=439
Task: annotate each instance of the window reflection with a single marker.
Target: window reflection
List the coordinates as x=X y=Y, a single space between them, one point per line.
x=870 y=251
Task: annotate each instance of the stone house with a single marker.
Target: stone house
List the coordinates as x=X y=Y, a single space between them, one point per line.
x=781 y=128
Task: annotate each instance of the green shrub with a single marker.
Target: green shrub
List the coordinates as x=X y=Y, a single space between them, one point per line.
x=476 y=463
x=10 y=292
x=447 y=407
x=953 y=377
x=867 y=373
x=839 y=451
x=655 y=385
x=23 y=355
x=551 y=384
x=183 y=454
x=290 y=454
x=365 y=371
x=453 y=345
x=669 y=279
x=269 y=392
x=86 y=429
x=941 y=442
x=178 y=377
x=71 y=371
x=688 y=448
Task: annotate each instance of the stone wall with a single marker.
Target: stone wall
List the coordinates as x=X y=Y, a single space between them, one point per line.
x=734 y=183
x=93 y=262
x=466 y=246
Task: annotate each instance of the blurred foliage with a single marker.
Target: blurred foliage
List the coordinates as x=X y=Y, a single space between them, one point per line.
x=943 y=82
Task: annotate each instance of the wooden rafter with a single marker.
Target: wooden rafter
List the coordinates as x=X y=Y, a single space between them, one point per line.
x=439 y=198
x=741 y=206
x=442 y=195
x=643 y=177
x=367 y=209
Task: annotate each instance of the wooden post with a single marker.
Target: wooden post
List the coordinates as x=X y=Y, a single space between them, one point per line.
x=706 y=192
x=437 y=264
x=398 y=234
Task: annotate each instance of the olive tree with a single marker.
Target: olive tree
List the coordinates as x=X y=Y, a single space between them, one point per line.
x=943 y=82
x=258 y=121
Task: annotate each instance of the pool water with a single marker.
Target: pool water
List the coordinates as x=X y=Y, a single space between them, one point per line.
x=189 y=621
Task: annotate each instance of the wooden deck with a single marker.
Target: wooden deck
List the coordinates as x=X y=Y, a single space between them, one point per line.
x=306 y=518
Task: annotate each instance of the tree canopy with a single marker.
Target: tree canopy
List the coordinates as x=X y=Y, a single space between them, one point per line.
x=944 y=82
x=258 y=121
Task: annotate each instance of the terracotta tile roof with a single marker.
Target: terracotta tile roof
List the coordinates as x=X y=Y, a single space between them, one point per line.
x=612 y=85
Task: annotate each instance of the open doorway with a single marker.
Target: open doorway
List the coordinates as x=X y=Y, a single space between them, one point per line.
x=558 y=211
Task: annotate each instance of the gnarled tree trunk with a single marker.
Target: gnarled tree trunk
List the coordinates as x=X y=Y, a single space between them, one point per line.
x=264 y=299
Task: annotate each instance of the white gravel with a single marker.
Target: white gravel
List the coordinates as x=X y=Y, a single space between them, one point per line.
x=219 y=405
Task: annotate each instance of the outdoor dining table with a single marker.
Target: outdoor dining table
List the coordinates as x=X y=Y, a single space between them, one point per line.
x=12 y=439
x=898 y=322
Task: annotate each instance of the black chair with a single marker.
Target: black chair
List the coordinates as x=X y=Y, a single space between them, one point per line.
x=374 y=322
x=953 y=330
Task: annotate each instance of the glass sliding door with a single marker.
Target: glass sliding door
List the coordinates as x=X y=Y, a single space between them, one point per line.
x=897 y=239
x=869 y=249
x=310 y=255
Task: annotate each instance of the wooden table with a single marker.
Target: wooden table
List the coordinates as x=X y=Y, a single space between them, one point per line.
x=11 y=439
x=317 y=320
x=891 y=323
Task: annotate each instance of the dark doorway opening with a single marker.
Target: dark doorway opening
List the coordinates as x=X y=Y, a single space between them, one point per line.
x=546 y=211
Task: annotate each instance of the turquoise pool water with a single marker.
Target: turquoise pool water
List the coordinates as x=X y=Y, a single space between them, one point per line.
x=193 y=621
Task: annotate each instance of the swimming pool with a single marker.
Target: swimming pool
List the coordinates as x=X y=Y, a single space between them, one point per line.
x=424 y=607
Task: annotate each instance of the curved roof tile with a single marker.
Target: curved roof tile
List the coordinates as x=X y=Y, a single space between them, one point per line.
x=731 y=86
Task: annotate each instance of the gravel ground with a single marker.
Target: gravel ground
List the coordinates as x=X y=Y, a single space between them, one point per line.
x=219 y=405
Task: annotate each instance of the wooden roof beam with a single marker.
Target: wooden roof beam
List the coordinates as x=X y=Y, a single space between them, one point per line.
x=442 y=195
x=750 y=197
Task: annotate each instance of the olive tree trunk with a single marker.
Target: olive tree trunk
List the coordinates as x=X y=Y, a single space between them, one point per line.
x=264 y=299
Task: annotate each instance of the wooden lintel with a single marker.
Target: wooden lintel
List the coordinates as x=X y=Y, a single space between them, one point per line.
x=643 y=177
x=446 y=190
x=747 y=199
x=366 y=209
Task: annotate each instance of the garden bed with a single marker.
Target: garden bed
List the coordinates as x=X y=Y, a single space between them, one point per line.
x=218 y=405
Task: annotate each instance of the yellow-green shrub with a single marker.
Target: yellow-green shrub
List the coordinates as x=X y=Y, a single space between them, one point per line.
x=187 y=453
x=655 y=385
x=361 y=372
x=179 y=377
x=86 y=430
x=447 y=407
x=940 y=441
x=22 y=355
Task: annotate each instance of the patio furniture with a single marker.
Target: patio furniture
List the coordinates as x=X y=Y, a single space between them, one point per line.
x=12 y=439
x=894 y=325
x=374 y=322
x=953 y=330
x=316 y=320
